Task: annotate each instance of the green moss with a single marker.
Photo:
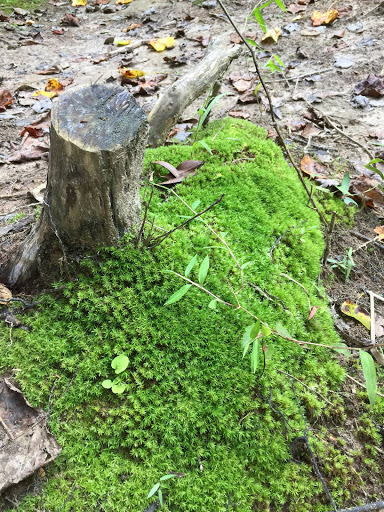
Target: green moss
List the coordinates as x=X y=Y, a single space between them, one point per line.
x=8 y=5
x=192 y=404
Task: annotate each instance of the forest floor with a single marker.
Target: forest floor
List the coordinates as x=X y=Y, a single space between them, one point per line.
x=323 y=66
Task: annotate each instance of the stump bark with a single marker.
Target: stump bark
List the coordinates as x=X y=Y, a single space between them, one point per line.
x=98 y=139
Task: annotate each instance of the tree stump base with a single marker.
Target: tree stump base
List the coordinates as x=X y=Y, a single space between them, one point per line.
x=98 y=140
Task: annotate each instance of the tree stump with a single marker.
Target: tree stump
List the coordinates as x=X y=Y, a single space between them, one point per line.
x=98 y=139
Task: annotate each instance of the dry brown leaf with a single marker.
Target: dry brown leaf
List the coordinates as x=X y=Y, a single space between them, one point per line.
x=319 y=18
x=6 y=99
x=380 y=231
x=312 y=168
x=242 y=85
x=372 y=86
x=310 y=130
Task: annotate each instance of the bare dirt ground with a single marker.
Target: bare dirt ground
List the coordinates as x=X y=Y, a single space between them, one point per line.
x=323 y=65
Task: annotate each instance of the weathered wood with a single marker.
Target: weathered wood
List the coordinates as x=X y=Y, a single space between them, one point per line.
x=98 y=139
x=171 y=104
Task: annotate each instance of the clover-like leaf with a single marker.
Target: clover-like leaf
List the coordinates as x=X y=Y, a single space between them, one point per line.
x=120 y=363
x=107 y=384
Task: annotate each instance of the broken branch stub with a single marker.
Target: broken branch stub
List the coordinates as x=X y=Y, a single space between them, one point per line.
x=98 y=139
x=170 y=106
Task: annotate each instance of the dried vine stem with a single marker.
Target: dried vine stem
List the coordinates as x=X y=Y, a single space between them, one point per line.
x=273 y=117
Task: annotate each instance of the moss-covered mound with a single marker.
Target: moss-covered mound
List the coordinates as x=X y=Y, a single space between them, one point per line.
x=192 y=404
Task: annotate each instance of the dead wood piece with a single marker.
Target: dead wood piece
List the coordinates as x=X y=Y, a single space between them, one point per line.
x=25 y=443
x=98 y=139
x=182 y=93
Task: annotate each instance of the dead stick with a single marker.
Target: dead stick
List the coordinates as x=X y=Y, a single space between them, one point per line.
x=166 y=235
x=274 y=122
x=310 y=389
x=361 y=384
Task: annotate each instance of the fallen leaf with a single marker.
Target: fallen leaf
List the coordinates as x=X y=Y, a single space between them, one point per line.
x=272 y=35
x=5 y=294
x=380 y=231
x=373 y=86
x=310 y=130
x=71 y=20
x=33 y=131
x=132 y=26
x=123 y=2
x=235 y=38
x=243 y=85
x=313 y=312
x=49 y=71
x=182 y=171
x=122 y=43
x=239 y=114
x=6 y=99
x=318 y=18
x=79 y=3
x=31 y=149
x=295 y=8
x=178 y=60
x=131 y=73
x=58 y=31
x=52 y=88
x=297 y=124
x=357 y=312
x=161 y=44
x=204 y=41
x=339 y=34
x=37 y=193
x=312 y=168
x=368 y=189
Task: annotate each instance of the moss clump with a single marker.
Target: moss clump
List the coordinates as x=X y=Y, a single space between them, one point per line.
x=192 y=404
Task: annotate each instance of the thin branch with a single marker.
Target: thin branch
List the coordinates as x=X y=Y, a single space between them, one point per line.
x=310 y=389
x=361 y=384
x=166 y=235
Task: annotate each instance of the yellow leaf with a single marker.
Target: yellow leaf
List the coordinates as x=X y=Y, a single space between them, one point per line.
x=123 y=2
x=358 y=312
x=161 y=44
x=131 y=73
x=380 y=231
x=54 y=85
x=51 y=94
x=320 y=18
x=122 y=43
x=272 y=35
x=79 y=3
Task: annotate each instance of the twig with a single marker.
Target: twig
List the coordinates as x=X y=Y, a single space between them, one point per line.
x=297 y=282
x=310 y=389
x=71 y=382
x=372 y=306
x=20 y=208
x=50 y=398
x=145 y=217
x=69 y=497
x=273 y=117
x=283 y=235
x=378 y=505
x=369 y=241
x=363 y=237
x=300 y=76
x=17 y=299
x=314 y=463
x=11 y=436
x=328 y=238
x=362 y=385
x=270 y=297
x=166 y=235
x=332 y=124
x=125 y=49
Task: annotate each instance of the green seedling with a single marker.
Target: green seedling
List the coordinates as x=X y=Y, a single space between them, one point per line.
x=119 y=364
x=344 y=189
x=157 y=488
x=345 y=265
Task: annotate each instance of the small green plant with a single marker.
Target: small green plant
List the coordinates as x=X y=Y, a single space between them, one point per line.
x=17 y=217
x=344 y=189
x=345 y=265
x=119 y=364
x=204 y=112
x=157 y=487
x=38 y=212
